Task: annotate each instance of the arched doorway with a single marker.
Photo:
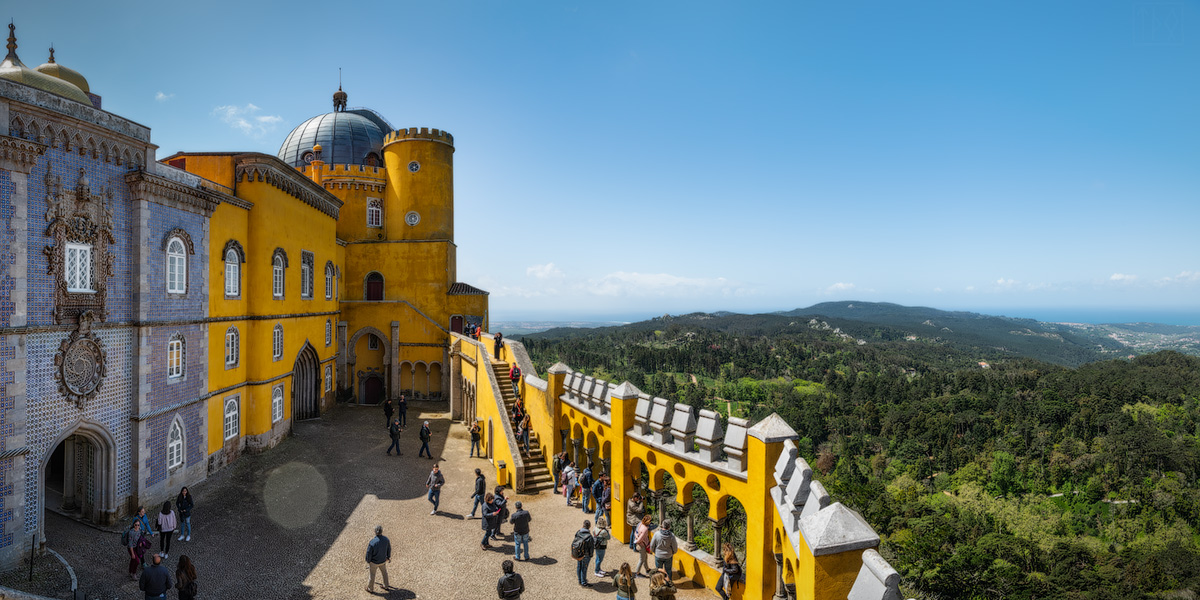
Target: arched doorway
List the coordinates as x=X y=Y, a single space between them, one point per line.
x=306 y=385
x=456 y=324
x=79 y=475
x=372 y=390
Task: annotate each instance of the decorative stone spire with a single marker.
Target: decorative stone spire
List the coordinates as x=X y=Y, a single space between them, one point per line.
x=339 y=97
x=51 y=54
x=12 y=45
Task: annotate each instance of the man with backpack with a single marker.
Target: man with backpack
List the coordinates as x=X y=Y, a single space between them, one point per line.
x=515 y=375
x=582 y=549
x=425 y=436
x=585 y=489
x=510 y=586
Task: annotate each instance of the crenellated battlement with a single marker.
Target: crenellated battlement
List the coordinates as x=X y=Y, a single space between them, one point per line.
x=357 y=171
x=419 y=133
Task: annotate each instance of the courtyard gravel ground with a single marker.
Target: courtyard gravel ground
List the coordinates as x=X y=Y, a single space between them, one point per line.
x=294 y=522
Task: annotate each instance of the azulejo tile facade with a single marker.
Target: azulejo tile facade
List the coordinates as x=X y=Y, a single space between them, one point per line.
x=115 y=304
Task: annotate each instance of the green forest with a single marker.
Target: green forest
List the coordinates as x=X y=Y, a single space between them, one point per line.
x=1024 y=479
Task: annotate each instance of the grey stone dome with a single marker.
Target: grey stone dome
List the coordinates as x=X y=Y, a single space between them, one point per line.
x=350 y=137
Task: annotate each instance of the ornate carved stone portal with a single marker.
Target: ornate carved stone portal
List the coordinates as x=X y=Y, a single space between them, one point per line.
x=80 y=363
x=81 y=226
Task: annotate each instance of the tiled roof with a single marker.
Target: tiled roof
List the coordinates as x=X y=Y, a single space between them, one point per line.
x=459 y=288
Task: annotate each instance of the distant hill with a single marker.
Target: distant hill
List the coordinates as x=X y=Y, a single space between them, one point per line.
x=986 y=337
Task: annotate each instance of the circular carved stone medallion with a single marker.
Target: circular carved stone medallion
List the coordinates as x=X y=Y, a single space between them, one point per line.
x=82 y=367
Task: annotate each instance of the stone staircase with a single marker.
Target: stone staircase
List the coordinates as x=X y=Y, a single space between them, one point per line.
x=537 y=471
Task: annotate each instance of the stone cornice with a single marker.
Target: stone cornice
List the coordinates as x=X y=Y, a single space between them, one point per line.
x=37 y=100
x=20 y=155
x=147 y=186
x=272 y=171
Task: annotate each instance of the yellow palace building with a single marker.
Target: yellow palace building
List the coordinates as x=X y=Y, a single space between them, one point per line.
x=333 y=274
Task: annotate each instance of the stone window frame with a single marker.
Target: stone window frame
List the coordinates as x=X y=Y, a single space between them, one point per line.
x=232 y=428
x=277 y=342
x=176 y=372
x=233 y=351
x=175 y=448
x=279 y=265
x=277 y=404
x=328 y=332
x=176 y=265
x=236 y=266
x=375 y=209
x=307 y=275
x=328 y=377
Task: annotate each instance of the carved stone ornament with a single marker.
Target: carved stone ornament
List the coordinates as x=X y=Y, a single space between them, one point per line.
x=80 y=217
x=79 y=366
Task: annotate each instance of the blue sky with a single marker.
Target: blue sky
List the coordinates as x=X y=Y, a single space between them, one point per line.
x=637 y=158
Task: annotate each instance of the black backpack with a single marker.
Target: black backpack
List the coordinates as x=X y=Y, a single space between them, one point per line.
x=125 y=538
x=581 y=544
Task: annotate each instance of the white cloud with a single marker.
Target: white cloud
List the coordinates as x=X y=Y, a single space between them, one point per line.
x=621 y=283
x=1182 y=277
x=1122 y=277
x=546 y=271
x=161 y=97
x=1006 y=283
x=937 y=290
x=839 y=287
x=247 y=120
x=970 y=288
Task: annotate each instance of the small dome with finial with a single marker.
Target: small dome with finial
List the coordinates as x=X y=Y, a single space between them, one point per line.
x=339 y=99
x=14 y=70
x=71 y=76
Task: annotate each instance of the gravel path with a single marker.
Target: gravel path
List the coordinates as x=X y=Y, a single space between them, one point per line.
x=294 y=523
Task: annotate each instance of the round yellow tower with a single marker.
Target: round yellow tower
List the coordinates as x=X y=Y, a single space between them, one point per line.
x=420 y=190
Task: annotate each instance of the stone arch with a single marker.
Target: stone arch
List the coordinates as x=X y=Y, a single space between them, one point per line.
x=592 y=443
x=16 y=127
x=103 y=510
x=435 y=379
x=352 y=357
x=306 y=384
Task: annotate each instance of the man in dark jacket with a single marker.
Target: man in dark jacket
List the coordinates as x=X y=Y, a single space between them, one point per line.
x=510 y=586
x=520 y=522
x=156 y=579
x=583 y=545
x=480 y=490
x=394 y=431
x=585 y=487
x=425 y=436
x=388 y=410
x=475 y=449
x=434 y=485
x=498 y=343
x=602 y=494
x=557 y=467
x=402 y=406
x=379 y=553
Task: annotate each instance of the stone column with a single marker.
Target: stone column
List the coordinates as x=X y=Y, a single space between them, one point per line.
x=577 y=456
x=780 y=586
x=690 y=542
x=660 y=500
x=591 y=458
x=716 y=525
x=68 y=500
x=606 y=464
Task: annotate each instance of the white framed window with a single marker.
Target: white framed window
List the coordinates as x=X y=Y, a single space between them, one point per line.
x=175 y=357
x=328 y=332
x=374 y=213
x=372 y=342
x=233 y=273
x=328 y=282
x=176 y=267
x=306 y=275
x=277 y=404
x=231 y=417
x=233 y=348
x=277 y=276
x=78 y=267
x=277 y=342
x=328 y=377
x=175 y=446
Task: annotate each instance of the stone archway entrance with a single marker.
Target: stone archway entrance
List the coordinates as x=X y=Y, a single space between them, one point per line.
x=306 y=385
x=79 y=475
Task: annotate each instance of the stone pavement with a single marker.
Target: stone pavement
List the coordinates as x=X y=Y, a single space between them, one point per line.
x=294 y=523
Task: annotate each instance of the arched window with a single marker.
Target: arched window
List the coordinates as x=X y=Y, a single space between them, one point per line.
x=232 y=347
x=277 y=276
x=328 y=377
x=233 y=273
x=277 y=342
x=231 y=417
x=374 y=287
x=306 y=274
x=329 y=281
x=374 y=213
x=175 y=357
x=277 y=404
x=328 y=332
x=175 y=446
x=176 y=267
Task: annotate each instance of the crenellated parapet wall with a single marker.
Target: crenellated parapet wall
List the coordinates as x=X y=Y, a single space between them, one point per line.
x=800 y=543
x=419 y=133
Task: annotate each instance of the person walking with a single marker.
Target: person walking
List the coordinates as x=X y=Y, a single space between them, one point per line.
x=475 y=449
x=502 y=503
x=731 y=571
x=559 y=463
x=664 y=546
x=425 y=435
x=480 y=490
x=601 y=535
x=526 y=425
x=185 y=578
x=166 y=528
x=388 y=409
x=184 y=502
x=602 y=494
x=635 y=509
x=520 y=522
x=497 y=343
x=661 y=586
x=641 y=540
x=582 y=548
x=394 y=431
x=434 y=485
x=490 y=513
x=379 y=553
x=136 y=543
x=515 y=375
x=155 y=580
x=510 y=586
x=402 y=410
x=625 y=582
x=569 y=481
